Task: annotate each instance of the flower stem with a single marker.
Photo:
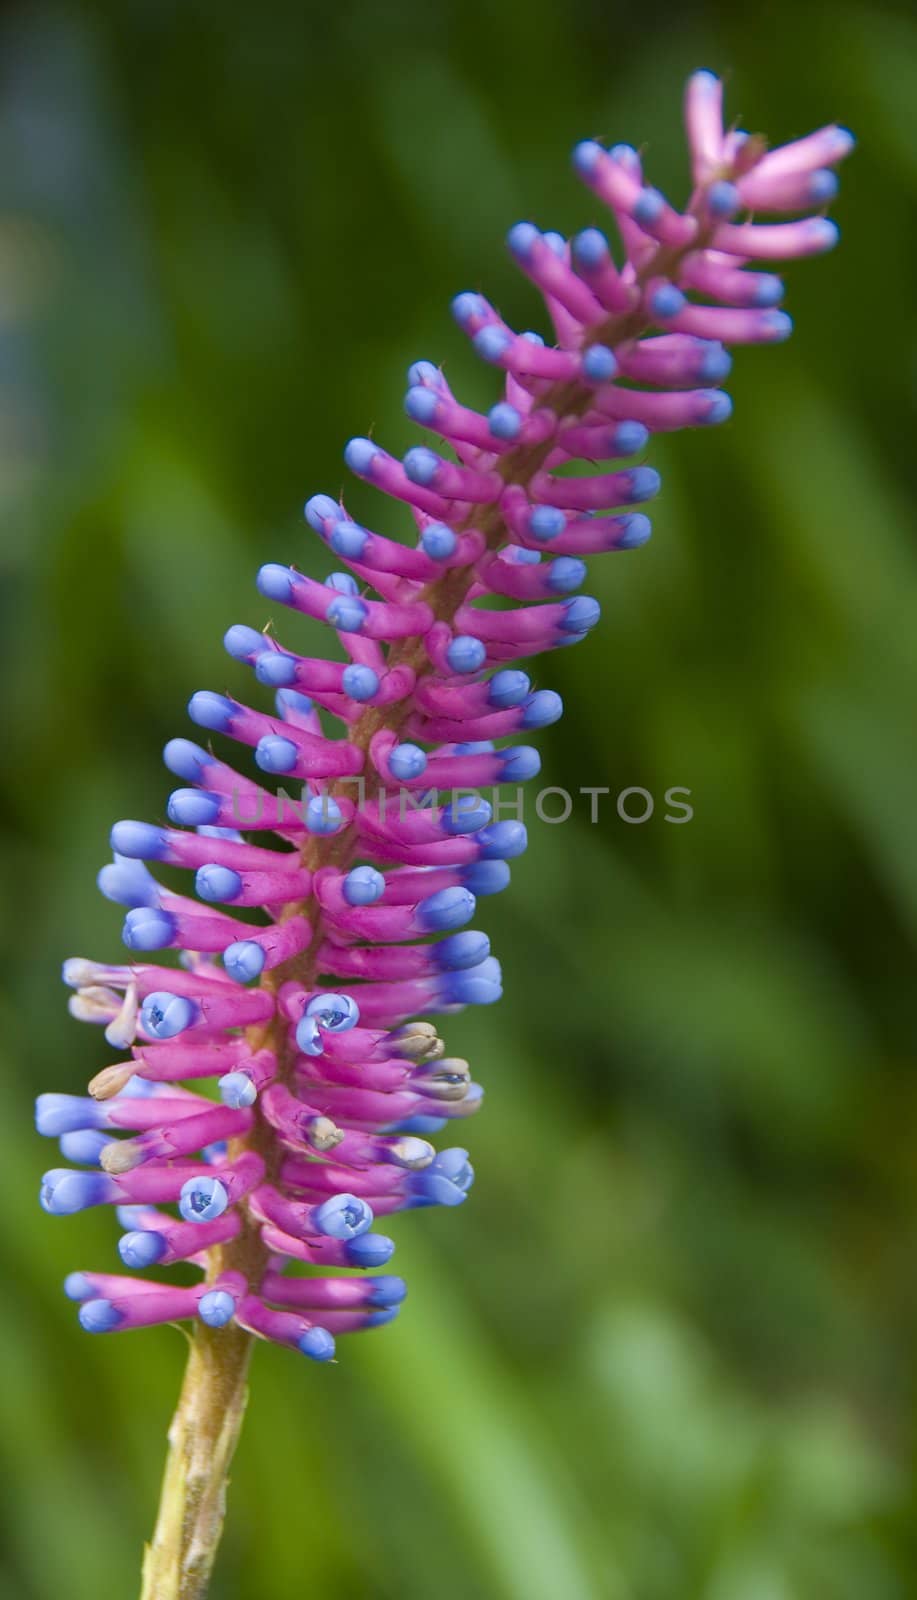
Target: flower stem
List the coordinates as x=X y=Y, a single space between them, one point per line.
x=202 y=1439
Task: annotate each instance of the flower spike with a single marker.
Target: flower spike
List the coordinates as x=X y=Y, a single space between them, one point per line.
x=305 y=966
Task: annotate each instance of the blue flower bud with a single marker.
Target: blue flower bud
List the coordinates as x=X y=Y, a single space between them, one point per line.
x=213 y=711
x=438 y=541
x=369 y=1250
x=276 y=754
x=346 y=614
x=363 y=886
x=237 y=1090
x=638 y=529
x=99 y=1316
x=216 y=883
x=216 y=1308
x=589 y=250
x=446 y=1182
x=244 y=960
x=348 y=539
x=466 y=306
x=599 y=364
x=186 y=760
x=309 y=1036
x=359 y=455
x=64 y=1192
x=275 y=582
x=542 y=708
x=317 y=1344
x=191 y=808
x=648 y=207
x=586 y=157
x=336 y=1013
x=508 y=688
x=342 y=583
x=148 y=928
x=490 y=342
x=454 y=1165
x=56 y=1114
x=566 y=573
x=424 y=372
x=466 y=814
x=643 y=483
x=466 y=654
x=486 y=876
x=503 y=840
x=474 y=986
x=423 y=1125
x=241 y=642
x=718 y=407
x=522 y=239
x=768 y=290
x=519 y=764
x=84 y=1146
x=421 y=405
x=164 y=1015
x=318 y=509
x=778 y=325
x=715 y=363
x=290 y=702
x=133 y=1216
x=407 y=761
x=387 y=1290
x=421 y=464
x=138 y=839
x=323 y=815
x=546 y=523
x=202 y=1199
x=378 y=1319
x=504 y=421
x=142 y=1248
x=360 y=682
x=448 y=908
x=128 y=883
x=275 y=668
x=461 y=950
x=344 y=1216
x=629 y=437
x=723 y=199
x=582 y=613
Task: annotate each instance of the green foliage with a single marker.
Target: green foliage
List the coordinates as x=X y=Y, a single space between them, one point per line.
x=666 y=1353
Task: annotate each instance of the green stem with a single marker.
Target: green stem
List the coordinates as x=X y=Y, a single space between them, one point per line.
x=203 y=1435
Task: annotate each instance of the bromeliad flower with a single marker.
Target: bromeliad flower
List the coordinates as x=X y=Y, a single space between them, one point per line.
x=318 y=927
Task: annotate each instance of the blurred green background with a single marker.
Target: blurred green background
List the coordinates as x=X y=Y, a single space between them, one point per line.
x=667 y=1351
